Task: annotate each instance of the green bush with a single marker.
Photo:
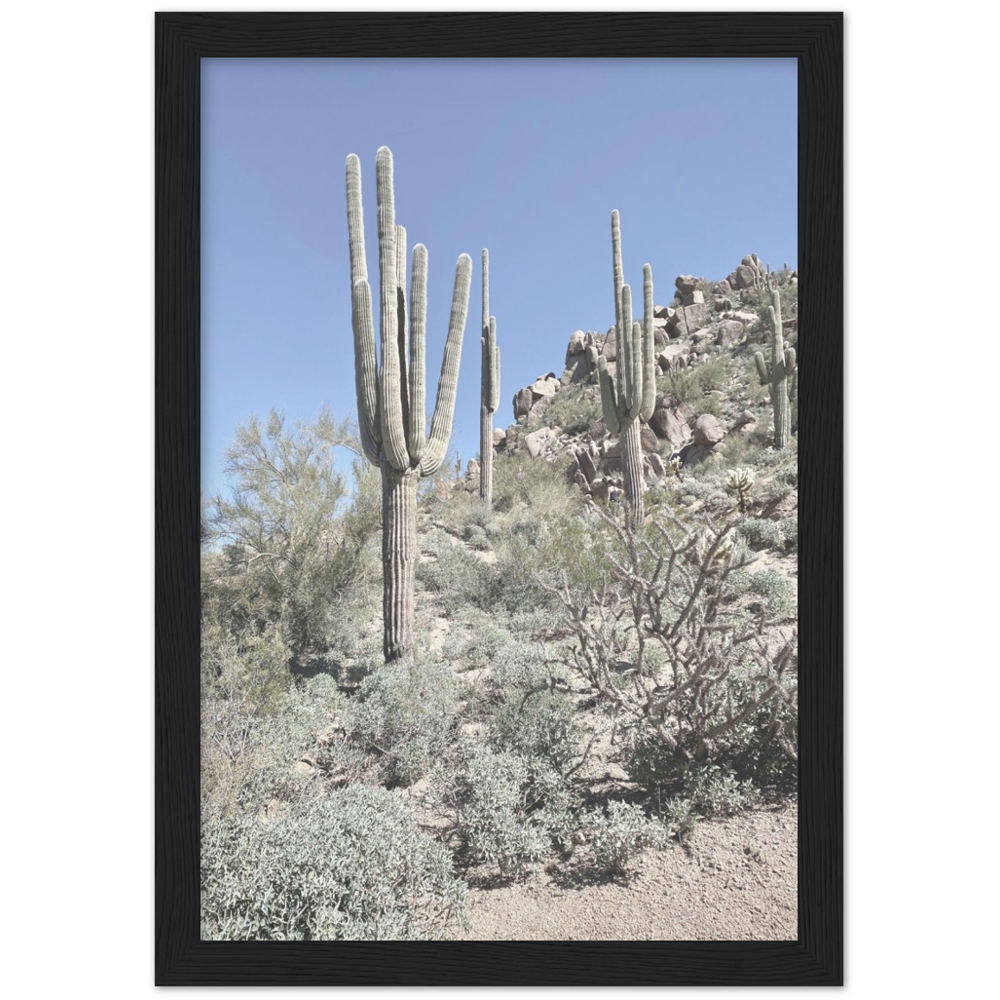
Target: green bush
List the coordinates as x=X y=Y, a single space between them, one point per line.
x=508 y=811
x=540 y=725
x=620 y=834
x=405 y=717
x=350 y=866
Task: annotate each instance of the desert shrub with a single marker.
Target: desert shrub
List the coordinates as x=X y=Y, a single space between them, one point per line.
x=790 y=531
x=717 y=792
x=679 y=816
x=538 y=725
x=476 y=537
x=689 y=385
x=457 y=576
x=506 y=810
x=574 y=409
x=761 y=533
x=619 y=834
x=670 y=643
x=248 y=757
x=542 y=487
x=349 y=866
x=405 y=717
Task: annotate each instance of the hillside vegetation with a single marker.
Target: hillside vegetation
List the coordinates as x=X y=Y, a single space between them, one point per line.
x=578 y=689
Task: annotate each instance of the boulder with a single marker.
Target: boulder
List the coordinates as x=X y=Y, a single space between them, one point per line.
x=523 y=399
x=537 y=441
x=587 y=465
x=546 y=385
x=671 y=354
x=576 y=370
x=695 y=298
x=590 y=355
x=499 y=436
x=708 y=432
x=730 y=332
x=685 y=284
x=723 y=287
x=648 y=439
x=610 y=351
x=670 y=421
x=662 y=312
x=656 y=466
x=577 y=344
x=539 y=406
x=745 y=276
x=746 y=420
x=660 y=333
x=687 y=319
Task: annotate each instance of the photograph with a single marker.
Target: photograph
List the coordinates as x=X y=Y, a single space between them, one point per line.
x=499 y=499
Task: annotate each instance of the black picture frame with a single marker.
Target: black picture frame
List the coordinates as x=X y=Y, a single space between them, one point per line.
x=816 y=41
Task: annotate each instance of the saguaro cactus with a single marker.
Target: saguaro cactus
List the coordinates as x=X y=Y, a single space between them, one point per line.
x=391 y=407
x=490 y=391
x=629 y=397
x=780 y=374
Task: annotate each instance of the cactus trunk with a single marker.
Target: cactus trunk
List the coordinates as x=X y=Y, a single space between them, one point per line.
x=631 y=451
x=486 y=456
x=399 y=559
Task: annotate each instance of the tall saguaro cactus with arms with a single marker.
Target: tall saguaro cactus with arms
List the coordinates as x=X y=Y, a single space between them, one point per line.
x=391 y=407
x=490 y=391
x=779 y=377
x=629 y=397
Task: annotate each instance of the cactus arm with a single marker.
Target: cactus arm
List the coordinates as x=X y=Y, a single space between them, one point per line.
x=789 y=361
x=486 y=293
x=765 y=375
x=648 y=347
x=626 y=351
x=418 y=353
x=444 y=407
x=365 y=358
x=365 y=372
x=494 y=400
x=393 y=429
x=355 y=221
x=638 y=346
x=403 y=337
x=609 y=397
x=617 y=272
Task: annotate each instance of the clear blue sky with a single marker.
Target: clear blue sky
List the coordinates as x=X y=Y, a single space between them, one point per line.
x=526 y=157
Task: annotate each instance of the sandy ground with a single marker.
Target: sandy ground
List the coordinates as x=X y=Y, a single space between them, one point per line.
x=731 y=880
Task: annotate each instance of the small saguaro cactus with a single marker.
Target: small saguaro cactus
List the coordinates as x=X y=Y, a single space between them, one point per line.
x=780 y=374
x=391 y=399
x=490 y=391
x=629 y=397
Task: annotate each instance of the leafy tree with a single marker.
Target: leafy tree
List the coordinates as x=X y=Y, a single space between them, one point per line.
x=286 y=543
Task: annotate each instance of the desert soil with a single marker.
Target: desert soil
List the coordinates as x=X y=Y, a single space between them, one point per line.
x=733 y=879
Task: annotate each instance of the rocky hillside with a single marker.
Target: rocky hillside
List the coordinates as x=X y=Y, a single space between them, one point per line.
x=711 y=409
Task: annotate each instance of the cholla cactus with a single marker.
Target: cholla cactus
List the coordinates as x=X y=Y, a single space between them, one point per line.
x=779 y=375
x=740 y=483
x=391 y=400
x=490 y=391
x=629 y=397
